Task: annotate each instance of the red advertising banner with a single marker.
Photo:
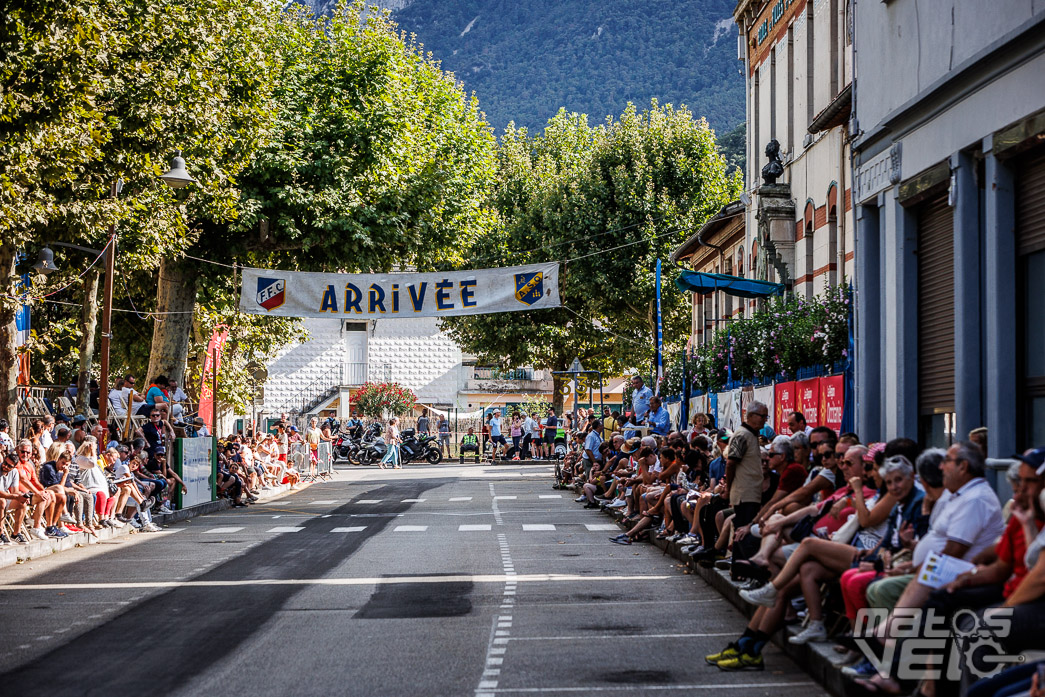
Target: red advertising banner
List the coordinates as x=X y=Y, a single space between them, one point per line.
x=832 y=401
x=785 y=404
x=214 y=347
x=808 y=401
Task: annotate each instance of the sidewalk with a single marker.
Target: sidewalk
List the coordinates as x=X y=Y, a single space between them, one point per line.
x=17 y=554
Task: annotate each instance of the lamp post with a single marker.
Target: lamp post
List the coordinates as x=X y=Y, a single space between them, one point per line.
x=176 y=177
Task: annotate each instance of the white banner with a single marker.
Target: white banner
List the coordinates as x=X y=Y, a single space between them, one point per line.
x=385 y=296
x=197 y=469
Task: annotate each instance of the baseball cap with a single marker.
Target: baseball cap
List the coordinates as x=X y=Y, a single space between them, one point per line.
x=1034 y=458
x=62 y=417
x=159 y=450
x=724 y=434
x=294 y=429
x=79 y=419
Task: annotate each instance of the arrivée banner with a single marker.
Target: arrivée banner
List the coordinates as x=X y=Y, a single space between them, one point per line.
x=385 y=296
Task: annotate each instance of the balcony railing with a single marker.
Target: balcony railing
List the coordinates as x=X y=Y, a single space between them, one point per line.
x=513 y=374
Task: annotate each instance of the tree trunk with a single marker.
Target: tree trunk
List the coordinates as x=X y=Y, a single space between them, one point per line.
x=170 y=333
x=89 y=326
x=8 y=336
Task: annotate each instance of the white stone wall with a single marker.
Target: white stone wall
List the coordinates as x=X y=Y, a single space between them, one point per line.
x=421 y=357
x=298 y=365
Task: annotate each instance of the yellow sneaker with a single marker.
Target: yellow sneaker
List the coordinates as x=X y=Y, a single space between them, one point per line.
x=731 y=651
x=743 y=661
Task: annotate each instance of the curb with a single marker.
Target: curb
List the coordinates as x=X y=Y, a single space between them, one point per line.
x=816 y=658
x=10 y=555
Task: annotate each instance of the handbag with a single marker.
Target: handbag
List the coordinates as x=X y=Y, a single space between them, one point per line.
x=113 y=488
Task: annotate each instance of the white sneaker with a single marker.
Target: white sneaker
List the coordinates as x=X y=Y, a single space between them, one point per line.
x=765 y=596
x=66 y=518
x=617 y=504
x=580 y=499
x=151 y=527
x=39 y=533
x=814 y=632
x=115 y=523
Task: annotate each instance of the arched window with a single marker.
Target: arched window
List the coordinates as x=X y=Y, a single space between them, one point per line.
x=740 y=261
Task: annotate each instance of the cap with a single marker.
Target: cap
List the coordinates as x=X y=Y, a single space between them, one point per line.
x=724 y=434
x=294 y=428
x=159 y=450
x=198 y=421
x=630 y=445
x=79 y=419
x=62 y=417
x=1034 y=458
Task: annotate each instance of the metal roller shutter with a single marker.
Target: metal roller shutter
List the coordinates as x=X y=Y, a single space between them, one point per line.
x=935 y=306
x=1030 y=202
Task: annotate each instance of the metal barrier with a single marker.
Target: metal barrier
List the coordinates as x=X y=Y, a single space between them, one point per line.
x=326 y=460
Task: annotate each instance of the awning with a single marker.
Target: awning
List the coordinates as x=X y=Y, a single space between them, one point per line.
x=705 y=283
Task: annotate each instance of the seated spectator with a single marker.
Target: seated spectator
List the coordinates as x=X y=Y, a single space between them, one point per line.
x=156 y=397
x=178 y=399
x=469 y=444
x=13 y=500
x=93 y=479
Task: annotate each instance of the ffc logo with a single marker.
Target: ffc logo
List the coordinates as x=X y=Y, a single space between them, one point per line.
x=272 y=292
x=529 y=287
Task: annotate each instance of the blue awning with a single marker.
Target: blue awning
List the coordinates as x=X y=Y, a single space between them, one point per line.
x=705 y=283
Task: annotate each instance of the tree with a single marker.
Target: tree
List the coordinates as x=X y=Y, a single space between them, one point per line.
x=375 y=159
x=635 y=187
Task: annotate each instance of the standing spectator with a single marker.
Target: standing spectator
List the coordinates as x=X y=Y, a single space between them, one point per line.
x=551 y=429
x=744 y=473
x=392 y=441
x=496 y=437
x=516 y=435
x=444 y=435
x=282 y=443
x=609 y=424
x=178 y=396
x=313 y=436
x=640 y=399
x=528 y=428
x=7 y=443
x=422 y=424
x=486 y=431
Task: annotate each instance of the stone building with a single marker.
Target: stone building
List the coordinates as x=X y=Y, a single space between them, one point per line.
x=949 y=123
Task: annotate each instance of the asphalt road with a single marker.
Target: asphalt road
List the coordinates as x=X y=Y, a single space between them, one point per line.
x=442 y=580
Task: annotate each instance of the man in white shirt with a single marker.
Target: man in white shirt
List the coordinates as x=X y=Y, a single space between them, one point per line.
x=797 y=423
x=528 y=427
x=177 y=397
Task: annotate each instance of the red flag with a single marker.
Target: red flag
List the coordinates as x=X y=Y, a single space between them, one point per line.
x=214 y=347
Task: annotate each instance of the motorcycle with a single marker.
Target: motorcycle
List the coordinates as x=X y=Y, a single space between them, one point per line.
x=372 y=447
x=417 y=448
x=346 y=445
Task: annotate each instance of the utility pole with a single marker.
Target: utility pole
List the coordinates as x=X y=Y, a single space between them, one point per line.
x=110 y=269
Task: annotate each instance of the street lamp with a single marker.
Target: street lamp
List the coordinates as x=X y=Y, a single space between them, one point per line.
x=176 y=177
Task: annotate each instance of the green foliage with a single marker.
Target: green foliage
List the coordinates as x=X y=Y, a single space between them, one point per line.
x=377 y=158
x=635 y=187
x=526 y=59
x=786 y=335
x=733 y=146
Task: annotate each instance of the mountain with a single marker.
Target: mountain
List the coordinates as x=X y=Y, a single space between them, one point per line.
x=525 y=59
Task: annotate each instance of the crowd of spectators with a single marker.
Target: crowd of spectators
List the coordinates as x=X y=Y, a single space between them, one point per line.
x=819 y=529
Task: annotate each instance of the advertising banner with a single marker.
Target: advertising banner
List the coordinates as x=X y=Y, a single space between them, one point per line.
x=765 y=395
x=784 y=399
x=832 y=401
x=196 y=462
x=729 y=410
x=713 y=408
x=808 y=401
x=390 y=295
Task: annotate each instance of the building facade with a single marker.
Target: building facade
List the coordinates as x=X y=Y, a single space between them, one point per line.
x=949 y=170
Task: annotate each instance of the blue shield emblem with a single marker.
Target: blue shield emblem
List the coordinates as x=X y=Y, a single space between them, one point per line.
x=529 y=287
x=272 y=292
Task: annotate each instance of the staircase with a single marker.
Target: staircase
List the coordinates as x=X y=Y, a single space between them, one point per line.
x=314 y=394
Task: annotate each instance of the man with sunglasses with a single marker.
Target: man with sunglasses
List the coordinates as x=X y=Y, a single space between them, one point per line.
x=12 y=500
x=45 y=500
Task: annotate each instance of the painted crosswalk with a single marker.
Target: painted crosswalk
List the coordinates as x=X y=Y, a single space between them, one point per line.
x=467 y=527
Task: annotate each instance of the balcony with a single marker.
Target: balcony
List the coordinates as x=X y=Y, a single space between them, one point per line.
x=485 y=379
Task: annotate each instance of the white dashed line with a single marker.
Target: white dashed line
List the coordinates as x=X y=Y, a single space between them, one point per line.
x=473 y=528
x=594 y=527
x=461 y=498
x=354 y=528
x=550 y=496
x=413 y=500
x=506 y=498
x=321 y=503
x=410 y=528
x=538 y=527
x=221 y=531
x=286 y=528
x=368 y=501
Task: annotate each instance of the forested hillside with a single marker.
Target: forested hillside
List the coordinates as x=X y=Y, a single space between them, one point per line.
x=527 y=58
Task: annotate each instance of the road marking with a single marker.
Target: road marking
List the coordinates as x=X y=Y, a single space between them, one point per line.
x=550 y=496
x=538 y=527
x=221 y=531
x=413 y=500
x=321 y=503
x=368 y=501
x=641 y=688
x=410 y=528
x=601 y=526
x=461 y=498
x=612 y=636
x=506 y=498
x=286 y=528
x=473 y=528
x=354 y=528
